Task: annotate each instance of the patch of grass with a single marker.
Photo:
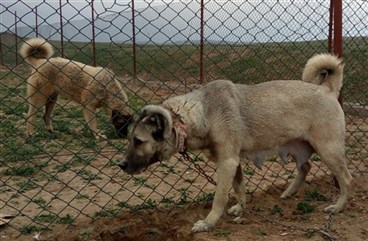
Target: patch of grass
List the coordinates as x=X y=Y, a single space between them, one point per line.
x=113 y=163
x=136 y=102
x=289 y=174
x=85 y=235
x=82 y=159
x=25 y=171
x=305 y=207
x=190 y=181
x=139 y=181
x=147 y=204
x=31 y=229
x=222 y=233
x=40 y=201
x=62 y=167
x=5 y=190
x=63 y=126
x=184 y=196
x=9 y=128
x=315 y=158
x=107 y=212
x=14 y=151
x=261 y=233
x=248 y=171
x=305 y=217
x=314 y=195
x=92 y=143
x=166 y=200
x=26 y=186
x=276 y=210
x=169 y=169
x=205 y=197
x=123 y=205
x=67 y=219
x=45 y=218
x=310 y=233
x=80 y=196
x=120 y=145
x=87 y=175
x=14 y=108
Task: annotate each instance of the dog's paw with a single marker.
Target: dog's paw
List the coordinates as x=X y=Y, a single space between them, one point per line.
x=201 y=226
x=285 y=195
x=29 y=137
x=101 y=136
x=236 y=210
x=28 y=134
x=333 y=209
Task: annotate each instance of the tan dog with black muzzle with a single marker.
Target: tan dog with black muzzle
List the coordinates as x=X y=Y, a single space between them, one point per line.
x=92 y=87
x=228 y=121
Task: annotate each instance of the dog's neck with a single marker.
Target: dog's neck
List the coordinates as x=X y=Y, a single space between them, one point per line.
x=179 y=130
x=188 y=111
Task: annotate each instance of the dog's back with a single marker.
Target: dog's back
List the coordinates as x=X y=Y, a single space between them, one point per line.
x=36 y=49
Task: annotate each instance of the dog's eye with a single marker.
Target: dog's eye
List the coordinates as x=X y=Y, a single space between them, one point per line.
x=137 y=141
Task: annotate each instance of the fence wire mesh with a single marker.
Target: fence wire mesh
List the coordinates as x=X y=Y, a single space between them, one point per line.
x=156 y=50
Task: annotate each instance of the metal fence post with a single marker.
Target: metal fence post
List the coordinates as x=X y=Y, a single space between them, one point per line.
x=61 y=30
x=1 y=52
x=337 y=27
x=337 y=7
x=36 y=22
x=16 y=38
x=133 y=39
x=330 y=27
x=201 y=44
x=93 y=34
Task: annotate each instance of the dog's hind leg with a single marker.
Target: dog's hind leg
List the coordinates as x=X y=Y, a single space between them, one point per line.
x=36 y=102
x=226 y=170
x=239 y=188
x=49 y=107
x=31 y=119
x=334 y=158
x=331 y=149
x=303 y=170
x=300 y=151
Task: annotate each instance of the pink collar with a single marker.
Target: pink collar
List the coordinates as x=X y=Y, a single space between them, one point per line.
x=181 y=135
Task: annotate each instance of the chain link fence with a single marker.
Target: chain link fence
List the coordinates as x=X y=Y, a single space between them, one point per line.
x=156 y=49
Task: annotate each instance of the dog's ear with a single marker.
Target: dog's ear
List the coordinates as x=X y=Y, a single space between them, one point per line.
x=160 y=119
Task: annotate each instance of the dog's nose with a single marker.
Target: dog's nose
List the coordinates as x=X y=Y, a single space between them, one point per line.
x=122 y=165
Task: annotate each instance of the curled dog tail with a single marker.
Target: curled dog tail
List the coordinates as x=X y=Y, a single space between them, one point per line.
x=325 y=69
x=34 y=49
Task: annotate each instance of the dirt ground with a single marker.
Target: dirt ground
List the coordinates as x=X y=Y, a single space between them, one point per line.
x=262 y=221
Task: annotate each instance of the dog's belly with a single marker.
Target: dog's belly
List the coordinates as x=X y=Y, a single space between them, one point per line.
x=299 y=150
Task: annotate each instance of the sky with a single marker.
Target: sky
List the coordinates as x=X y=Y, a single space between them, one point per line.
x=71 y=10
x=237 y=20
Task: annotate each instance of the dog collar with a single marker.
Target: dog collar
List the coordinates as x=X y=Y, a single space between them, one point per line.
x=180 y=130
x=181 y=135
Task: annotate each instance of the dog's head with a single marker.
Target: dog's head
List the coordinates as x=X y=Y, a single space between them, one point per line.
x=121 y=122
x=152 y=140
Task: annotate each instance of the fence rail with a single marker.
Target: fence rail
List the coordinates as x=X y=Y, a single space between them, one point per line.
x=157 y=49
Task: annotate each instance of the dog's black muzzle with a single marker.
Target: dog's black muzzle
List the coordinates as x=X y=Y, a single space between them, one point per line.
x=121 y=124
x=138 y=165
x=131 y=168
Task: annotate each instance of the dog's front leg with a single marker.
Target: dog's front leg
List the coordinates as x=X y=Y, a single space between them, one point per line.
x=89 y=115
x=226 y=170
x=240 y=191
